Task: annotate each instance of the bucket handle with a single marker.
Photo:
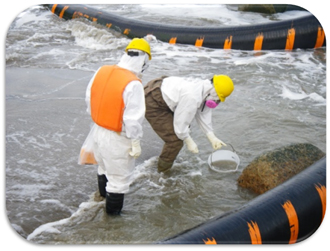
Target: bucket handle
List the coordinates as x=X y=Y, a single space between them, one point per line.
x=224 y=171
x=231 y=147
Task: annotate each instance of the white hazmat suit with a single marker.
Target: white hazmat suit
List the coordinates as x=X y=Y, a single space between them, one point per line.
x=185 y=96
x=171 y=105
x=115 y=152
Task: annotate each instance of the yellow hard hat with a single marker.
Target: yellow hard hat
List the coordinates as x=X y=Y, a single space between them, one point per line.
x=139 y=44
x=223 y=86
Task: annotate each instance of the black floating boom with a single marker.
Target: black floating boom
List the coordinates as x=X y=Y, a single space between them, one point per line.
x=304 y=32
x=289 y=213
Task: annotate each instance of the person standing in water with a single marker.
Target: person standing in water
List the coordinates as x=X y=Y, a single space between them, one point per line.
x=115 y=101
x=171 y=105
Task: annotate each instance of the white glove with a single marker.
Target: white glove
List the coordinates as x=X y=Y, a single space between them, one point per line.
x=136 y=148
x=191 y=145
x=216 y=143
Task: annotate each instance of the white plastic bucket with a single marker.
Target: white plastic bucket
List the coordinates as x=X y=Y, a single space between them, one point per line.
x=220 y=160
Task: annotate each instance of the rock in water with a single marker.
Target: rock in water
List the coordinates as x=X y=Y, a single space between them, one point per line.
x=268 y=8
x=273 y=168
x=261 y=8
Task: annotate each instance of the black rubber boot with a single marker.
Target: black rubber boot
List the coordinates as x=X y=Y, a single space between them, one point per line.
x=114 y=203
x=102 y=181
x=163 y=166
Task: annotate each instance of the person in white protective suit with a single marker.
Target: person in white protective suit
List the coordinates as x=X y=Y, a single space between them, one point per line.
x=115 y=101
x=171 y=105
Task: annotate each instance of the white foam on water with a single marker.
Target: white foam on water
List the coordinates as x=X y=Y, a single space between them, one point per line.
x=80 y=214
x=30 y=16
x=95 y=38
x=287 y=94
x=291 y=14
x=212 y=14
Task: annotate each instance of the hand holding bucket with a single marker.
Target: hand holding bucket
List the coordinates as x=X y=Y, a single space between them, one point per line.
x=224 y=158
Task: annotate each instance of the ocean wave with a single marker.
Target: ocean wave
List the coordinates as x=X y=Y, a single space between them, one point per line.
x=287 y=94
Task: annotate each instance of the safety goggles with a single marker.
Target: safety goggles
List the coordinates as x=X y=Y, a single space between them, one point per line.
x=135 y=53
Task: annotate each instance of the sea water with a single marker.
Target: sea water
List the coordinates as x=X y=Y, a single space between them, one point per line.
x=279 y=99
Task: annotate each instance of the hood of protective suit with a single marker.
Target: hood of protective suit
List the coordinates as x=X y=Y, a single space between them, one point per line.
x=213 y=95
x=209 y=91
x=136 y=64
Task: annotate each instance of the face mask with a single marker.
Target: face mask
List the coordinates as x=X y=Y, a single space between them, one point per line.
x=211 y=103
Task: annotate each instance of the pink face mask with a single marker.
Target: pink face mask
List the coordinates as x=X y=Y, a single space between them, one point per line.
x=211 y=103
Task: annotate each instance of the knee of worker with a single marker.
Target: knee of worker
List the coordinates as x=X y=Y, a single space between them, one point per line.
x=171 y=150
x=174 y=145
x=118 y=184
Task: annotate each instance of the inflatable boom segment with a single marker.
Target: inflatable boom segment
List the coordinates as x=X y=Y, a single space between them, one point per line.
x=304 y=32
x=289 y=213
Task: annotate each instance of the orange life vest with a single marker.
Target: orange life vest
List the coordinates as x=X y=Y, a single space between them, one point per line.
x=107 y=103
